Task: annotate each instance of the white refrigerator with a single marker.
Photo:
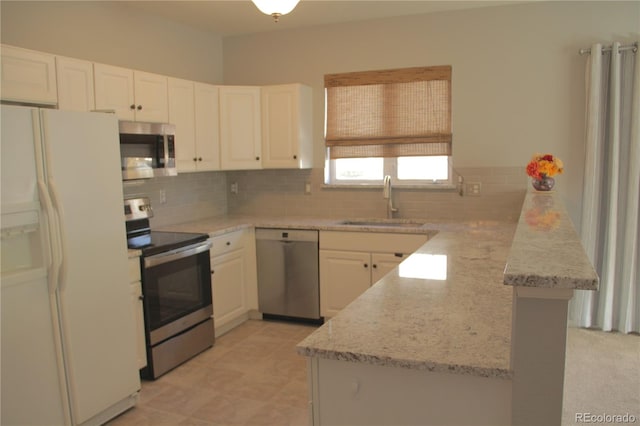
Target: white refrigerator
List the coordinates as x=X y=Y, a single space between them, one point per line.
x=68 y=352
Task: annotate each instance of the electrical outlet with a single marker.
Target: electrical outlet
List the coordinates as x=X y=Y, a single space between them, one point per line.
x=472 y=189
x=163 y=196
x=307 y=188
x=234 y=188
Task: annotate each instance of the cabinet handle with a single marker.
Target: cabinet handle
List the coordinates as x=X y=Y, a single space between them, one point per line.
x=366 y=265
x=200 y=159
x=139 y=107
x=375 y=266
x=213 y=272
x=141 y=297
x=228 y=243
x=257 y=158
x=195 y=159
x=295 y=157
x=132 y=106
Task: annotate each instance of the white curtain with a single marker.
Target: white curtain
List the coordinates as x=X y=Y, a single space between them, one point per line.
x=611 y=192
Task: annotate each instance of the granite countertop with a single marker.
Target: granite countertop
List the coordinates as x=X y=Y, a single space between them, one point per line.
x=220 y=225
x=459 y=323
x=546 y=250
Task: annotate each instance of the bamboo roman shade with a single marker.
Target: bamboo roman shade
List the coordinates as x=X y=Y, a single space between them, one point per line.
x=389 y=113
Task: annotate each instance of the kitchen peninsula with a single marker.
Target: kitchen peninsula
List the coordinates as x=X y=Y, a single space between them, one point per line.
x=458 y=348
x=441 y=339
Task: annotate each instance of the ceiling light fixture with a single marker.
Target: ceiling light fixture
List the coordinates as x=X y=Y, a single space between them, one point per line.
x=275 y=8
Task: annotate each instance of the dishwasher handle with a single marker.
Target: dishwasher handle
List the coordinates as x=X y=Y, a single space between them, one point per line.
x=286 y=235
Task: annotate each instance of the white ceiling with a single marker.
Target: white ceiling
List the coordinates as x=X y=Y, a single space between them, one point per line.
x=236 y=17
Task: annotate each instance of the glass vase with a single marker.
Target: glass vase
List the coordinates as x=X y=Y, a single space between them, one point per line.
x=545 y=183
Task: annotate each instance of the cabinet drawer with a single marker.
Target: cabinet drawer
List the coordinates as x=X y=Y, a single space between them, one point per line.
x=134 y=269
x=372 y=242
x=227 y=242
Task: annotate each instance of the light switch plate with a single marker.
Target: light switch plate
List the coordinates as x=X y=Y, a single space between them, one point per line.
x=473 y=189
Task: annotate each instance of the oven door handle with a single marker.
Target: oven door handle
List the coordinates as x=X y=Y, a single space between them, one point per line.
x=179 y=253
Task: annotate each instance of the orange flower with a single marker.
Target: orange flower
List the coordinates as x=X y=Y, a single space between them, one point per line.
x=542 y=165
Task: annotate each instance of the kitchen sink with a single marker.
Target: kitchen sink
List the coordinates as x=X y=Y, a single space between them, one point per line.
x=382 y=222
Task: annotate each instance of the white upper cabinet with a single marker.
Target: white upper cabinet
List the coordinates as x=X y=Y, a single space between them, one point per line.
x=114 y=90
x=133 y=95
x=151 y=97
x=181 y=114
x=193 y=109
x=286 y=127
x=75 y=84
x=28 y=76
x=207 y=120
x=240 y=130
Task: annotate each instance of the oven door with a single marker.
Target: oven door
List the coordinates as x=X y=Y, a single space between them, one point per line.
x=177 y=291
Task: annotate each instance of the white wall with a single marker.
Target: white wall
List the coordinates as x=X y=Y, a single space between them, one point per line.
x=112 y=33
x=517 y=76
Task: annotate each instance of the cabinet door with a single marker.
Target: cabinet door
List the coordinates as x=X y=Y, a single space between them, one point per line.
x=207 y=126
x=151 y=97
x=240 y=141
x=75 y=84
x=343 y=277
x=228 y=287
x=181 y=114
x=286 y=126
x=114 y=90
x=138 y=317
x=383 y=263
x=28 y=76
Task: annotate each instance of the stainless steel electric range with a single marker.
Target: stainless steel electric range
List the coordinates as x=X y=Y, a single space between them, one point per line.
x=176 y=289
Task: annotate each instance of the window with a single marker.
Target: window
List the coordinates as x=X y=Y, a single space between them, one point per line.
x=391 y=122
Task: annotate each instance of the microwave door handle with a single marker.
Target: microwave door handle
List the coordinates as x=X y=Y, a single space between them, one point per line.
x=170 y=256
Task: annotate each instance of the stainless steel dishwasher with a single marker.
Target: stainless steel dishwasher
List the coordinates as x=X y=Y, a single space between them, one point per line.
x=288 y=277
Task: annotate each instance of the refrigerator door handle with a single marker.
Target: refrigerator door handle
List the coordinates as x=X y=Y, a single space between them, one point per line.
x=60 y=269
x=53 y=255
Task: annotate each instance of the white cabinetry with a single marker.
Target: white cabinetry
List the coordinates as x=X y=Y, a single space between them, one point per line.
x=75 y=84
x=193 y=109
x=234 y=282
x=133 y=95
x=28 y=76
x=240 y=129
x=135 y=288
x=350 y=262
x=286 y=127
x=344 y=276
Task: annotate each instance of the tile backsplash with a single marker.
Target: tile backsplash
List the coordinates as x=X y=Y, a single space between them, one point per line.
x=281 y=193
x=188 y=196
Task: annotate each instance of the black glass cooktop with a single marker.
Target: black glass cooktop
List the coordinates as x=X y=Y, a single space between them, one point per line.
x=160 y=241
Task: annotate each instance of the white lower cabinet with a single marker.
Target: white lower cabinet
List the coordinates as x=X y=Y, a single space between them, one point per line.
x=234 y=281
x=137 y=310
x=344 y=276
x=350 y=262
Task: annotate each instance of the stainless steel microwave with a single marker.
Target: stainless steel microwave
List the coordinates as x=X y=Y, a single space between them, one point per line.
x=147 y=150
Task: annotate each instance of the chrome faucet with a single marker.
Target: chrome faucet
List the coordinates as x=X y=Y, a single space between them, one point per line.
x=386 y=194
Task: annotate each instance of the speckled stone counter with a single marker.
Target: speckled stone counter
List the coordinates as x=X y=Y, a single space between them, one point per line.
x=223 y=224
x=546 y=250
x=459 y=324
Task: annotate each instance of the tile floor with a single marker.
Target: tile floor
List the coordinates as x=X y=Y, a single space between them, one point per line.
x=251 y=376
